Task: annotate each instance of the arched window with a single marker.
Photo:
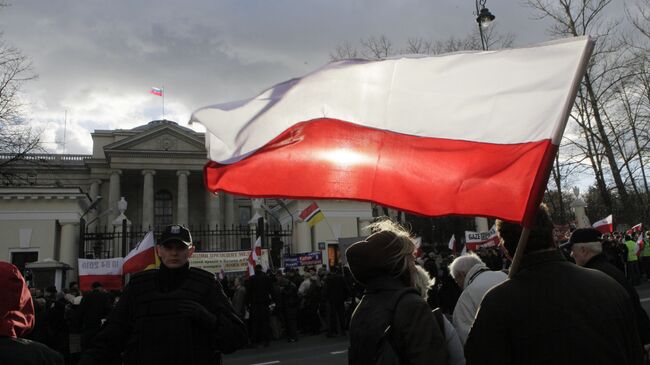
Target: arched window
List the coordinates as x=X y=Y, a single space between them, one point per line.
x=163 y=209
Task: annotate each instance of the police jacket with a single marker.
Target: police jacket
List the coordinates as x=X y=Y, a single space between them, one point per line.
x=600 y=263
x=416 y=336
x=148 y=328
x=554 y=312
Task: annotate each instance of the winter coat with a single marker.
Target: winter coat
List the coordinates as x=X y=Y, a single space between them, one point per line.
x=454 y=345
x=554 y=312
x=478 y=280
x=600 y=263
x=415 y=333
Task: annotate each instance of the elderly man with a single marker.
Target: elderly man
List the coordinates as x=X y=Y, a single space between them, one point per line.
x=551 y=311
x=475 y=278
x=586 y=248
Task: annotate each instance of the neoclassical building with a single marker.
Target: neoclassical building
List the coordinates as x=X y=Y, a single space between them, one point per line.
x=157 y=169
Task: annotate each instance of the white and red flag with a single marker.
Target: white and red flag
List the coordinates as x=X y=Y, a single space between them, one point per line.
x=255 y=256
x=639 y=244
x=452 y=243
x=605 y=225
x=142 y=257
x=637 y=228
x=158 y=91
x=470 y=133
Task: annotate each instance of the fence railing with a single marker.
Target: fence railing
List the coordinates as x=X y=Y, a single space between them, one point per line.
x=106 y=242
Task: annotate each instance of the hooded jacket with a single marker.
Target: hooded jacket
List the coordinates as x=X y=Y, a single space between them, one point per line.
x=16 y=320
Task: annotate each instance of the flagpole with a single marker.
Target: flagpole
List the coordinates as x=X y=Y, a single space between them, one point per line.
x=163 y=102
x=519 y=253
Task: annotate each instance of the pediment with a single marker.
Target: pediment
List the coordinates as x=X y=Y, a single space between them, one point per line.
x=164 y=138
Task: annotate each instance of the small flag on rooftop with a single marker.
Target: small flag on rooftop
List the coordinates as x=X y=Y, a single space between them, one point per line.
x=156 y=91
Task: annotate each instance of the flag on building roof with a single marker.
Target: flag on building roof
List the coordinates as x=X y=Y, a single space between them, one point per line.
x=449 y=134
x=156 y=91
x=142 y=257
x=605 y=225
x=312 y=214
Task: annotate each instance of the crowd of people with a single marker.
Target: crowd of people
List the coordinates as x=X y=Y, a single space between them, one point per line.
x=439 y=308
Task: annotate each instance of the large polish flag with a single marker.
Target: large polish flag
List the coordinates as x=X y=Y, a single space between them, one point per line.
x=470 y=133
x=108 y=272
x=605 y=225
x=142 y=257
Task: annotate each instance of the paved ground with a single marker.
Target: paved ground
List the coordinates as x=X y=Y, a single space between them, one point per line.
x=310 y=350
x=317 y=350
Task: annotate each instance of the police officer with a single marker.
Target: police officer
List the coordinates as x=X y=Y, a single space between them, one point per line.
x=172 y=315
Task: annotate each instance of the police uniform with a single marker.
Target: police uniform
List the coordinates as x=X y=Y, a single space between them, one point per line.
x=149 y=325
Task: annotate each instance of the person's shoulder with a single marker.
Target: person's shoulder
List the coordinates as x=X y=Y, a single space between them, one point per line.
x=27 y=351
x=204 y=274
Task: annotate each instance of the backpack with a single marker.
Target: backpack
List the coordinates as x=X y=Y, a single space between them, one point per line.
x=386 y=352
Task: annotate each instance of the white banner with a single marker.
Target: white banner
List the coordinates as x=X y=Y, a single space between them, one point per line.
x=229 y=261
x=100 y=266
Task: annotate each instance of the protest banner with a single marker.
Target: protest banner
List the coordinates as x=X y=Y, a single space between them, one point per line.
x=476 y=240
x=303 y=259
x=108 y=272
x=229 y=261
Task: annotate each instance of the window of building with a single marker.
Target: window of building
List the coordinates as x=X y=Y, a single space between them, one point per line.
x=163 y=209
x=244 y=215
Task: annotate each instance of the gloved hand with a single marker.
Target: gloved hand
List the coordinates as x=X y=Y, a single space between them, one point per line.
x=198 y=313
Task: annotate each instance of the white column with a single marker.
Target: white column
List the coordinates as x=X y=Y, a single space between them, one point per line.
x=212 y=209
x=302 y=242
x=93 y=193
x=147 y=199
x=114 y=193
x=579 y=205
x=229 y=210
x=481 y=224
x=69 y=249
x=182 y=207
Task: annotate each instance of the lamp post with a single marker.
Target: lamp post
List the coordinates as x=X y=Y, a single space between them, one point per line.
x=483 y=18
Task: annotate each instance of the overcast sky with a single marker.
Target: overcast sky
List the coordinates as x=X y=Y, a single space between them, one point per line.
x=98 y=59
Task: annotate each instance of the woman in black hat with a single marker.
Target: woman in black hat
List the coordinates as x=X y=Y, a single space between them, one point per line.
x=392 y=323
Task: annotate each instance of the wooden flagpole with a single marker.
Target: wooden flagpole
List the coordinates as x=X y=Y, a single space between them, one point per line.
x=519 y=253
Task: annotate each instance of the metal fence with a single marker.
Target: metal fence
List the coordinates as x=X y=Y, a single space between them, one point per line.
x=111 y=242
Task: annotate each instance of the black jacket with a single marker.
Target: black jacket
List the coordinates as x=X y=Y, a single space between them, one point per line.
x=416 y=335
x=149 y=328
x=554 y=312
x=26 y=352
x=600 y=263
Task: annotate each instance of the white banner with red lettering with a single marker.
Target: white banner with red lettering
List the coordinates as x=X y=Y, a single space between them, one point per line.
x=476 y=240
x=108 y=272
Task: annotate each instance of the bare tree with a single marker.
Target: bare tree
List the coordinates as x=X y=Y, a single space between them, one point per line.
x=16 y=138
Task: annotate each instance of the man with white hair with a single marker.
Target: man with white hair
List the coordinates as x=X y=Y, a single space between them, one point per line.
x=586 y=249
x=475 y=278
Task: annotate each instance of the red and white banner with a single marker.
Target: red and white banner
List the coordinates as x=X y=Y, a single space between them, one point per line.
x=106 y=271
x=142 y=257
x=605 y=225
x=476 y=240
x=637 y=228
x=469 y=133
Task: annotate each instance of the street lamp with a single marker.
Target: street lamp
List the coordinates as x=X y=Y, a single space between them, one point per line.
x=484 y=18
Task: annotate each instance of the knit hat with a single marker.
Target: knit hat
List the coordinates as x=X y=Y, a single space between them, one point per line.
x=368 y=258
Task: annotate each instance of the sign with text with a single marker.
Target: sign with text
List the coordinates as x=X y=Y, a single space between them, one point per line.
x=476 y=240
x=229 y=261
x=303 y=259
x=108 y=272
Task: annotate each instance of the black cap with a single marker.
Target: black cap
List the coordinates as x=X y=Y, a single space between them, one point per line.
x=583 y=235
x=177 y=233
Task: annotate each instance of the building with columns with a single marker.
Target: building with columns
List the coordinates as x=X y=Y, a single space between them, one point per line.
x=157 y=169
